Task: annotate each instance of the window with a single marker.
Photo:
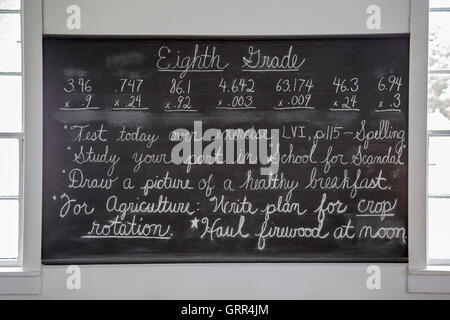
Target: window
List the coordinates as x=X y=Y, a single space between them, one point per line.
x=11 y=132
x=439 y=134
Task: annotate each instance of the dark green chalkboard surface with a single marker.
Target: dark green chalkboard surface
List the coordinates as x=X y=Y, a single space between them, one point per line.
x=225 y=150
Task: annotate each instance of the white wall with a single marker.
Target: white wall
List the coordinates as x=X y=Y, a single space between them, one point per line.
x=230 y=17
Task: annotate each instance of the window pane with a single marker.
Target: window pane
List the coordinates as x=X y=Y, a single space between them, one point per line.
x=439 y=3
x=439 y=102
x=9 y=167
x=10 y=4
x=9 y=229
x=439 y=41
x=11 y=103
x=10 y=51
x=439 y=228
x=438 y=165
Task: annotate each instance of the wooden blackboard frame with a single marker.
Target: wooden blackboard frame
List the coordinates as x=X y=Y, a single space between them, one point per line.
x=180 y=258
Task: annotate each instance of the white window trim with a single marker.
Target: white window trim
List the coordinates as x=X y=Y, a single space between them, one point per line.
x=422 y=277
x=418 y=84
x=26 y=278
x=16 y=262
x=440 y=71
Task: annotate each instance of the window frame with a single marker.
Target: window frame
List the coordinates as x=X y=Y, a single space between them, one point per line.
x=431 y=133
x=25 y=278
x=431 y=261
x=422 y=276
x=19 y=136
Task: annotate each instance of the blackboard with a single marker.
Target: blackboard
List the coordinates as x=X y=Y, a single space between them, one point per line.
x=225 y=149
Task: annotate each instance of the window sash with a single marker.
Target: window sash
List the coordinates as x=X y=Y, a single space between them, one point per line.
x=437 y=133
x=20 y=137
x=20 y=197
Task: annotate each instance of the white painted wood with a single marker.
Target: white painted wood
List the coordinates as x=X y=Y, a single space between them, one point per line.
x=32 y=99
x=418 y=82
x=231 y=17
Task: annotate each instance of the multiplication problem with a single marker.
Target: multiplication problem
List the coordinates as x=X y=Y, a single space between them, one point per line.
x=346 y=90
x=179 y=96
x=389 y=88
x=296 y=93
x=237 y=94
x=79 y=92
x=128 y=95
